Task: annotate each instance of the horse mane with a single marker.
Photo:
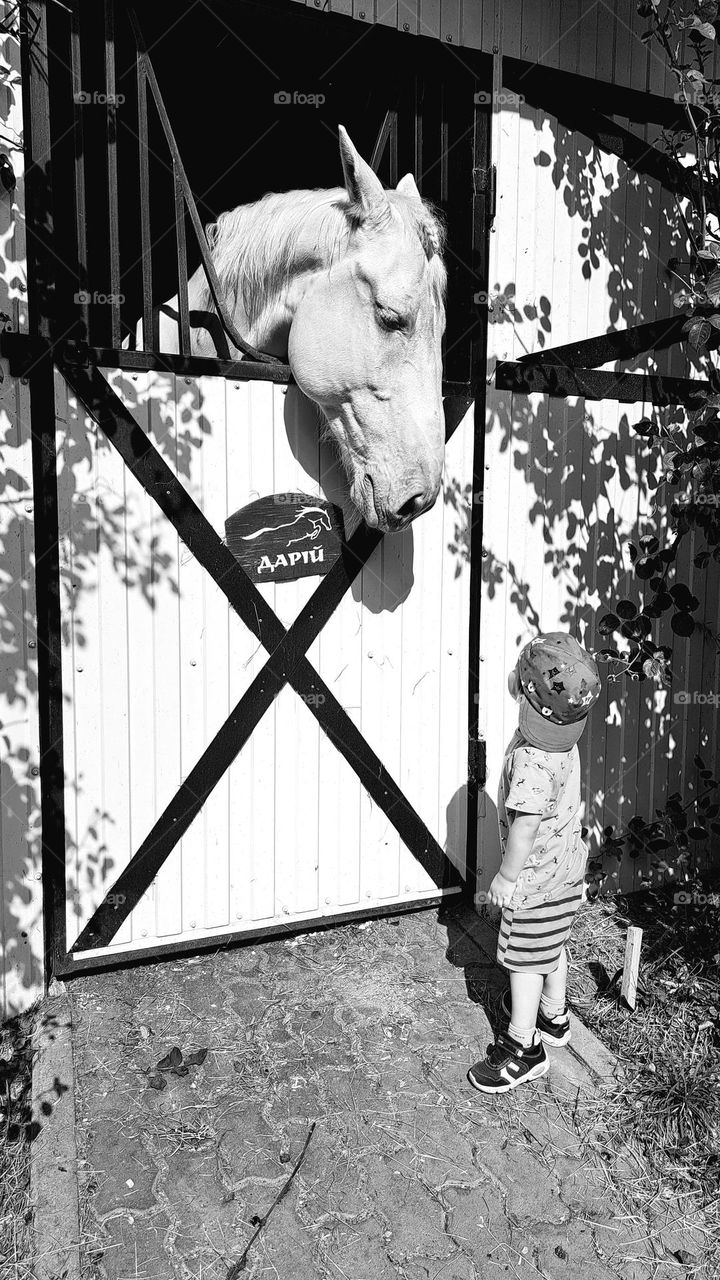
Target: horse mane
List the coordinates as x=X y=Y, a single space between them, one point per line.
x=255 y=246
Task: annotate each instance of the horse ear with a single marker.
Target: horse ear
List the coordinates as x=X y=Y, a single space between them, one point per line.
x=408 y=187
x=364 y=188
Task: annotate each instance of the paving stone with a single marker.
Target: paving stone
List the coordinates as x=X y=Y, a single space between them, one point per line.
x=413 y=1216
x=476 y=1218
x=625 y=1244
x=532 y=1193
x=565 y=1252
x=359 y=1251
x=134 y=1248
x=409 y=1174
x=128 y=1178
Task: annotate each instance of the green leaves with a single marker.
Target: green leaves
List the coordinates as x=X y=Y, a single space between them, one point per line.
x=608 y=623
x=703 y=30
x=698 y=332
x=712 y=288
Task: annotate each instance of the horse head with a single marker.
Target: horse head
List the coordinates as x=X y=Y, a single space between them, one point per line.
x=348 y=285
x=364 y=342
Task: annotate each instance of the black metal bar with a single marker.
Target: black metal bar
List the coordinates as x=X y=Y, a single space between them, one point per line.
x=112 y=172
x=209 y=267
x=150 y=326
x=482 y=218
x=21 y=350
x=623 y=344
x=444 y=127
x=634 y=104
x=287 y=664
x=417 y=132
x=183 y=323
x=49 y=659
x=547 y=90
x=38 y=167
x=594 y=384
x=80 y=201
x=73 y=966
x=381 y=141
x=41 y=320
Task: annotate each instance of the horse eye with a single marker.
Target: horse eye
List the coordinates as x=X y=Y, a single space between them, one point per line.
x=390 y=320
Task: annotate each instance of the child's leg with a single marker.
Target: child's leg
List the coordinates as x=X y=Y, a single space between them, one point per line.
x=526 y=989
x=553 y=998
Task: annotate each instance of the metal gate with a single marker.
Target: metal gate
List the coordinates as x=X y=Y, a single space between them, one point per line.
x=309 y=752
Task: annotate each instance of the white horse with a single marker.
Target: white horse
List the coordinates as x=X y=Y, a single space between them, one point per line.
x=347 y=285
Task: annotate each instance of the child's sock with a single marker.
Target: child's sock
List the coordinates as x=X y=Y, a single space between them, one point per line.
x=553 y=1010
x=526 y=1036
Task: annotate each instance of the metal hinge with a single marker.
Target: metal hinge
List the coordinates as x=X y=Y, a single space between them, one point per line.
x=485 y=183
x=477 y=762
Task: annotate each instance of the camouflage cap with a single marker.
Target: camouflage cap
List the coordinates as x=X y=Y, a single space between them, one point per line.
x=561 y=683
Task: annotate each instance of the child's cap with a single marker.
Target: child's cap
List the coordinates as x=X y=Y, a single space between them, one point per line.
x=561 y=683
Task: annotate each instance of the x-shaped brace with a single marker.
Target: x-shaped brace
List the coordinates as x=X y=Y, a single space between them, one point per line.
x=287 y=664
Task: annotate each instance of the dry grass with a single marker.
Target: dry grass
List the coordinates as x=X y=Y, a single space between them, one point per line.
x=663 y=1117
x=15 y=1138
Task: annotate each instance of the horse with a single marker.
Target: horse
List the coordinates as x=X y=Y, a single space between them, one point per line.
x=348 y=286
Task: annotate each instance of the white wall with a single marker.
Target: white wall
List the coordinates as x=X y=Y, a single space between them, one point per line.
x=21 y=936
x=154 y=660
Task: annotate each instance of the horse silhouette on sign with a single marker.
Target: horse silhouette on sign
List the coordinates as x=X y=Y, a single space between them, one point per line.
x=319 y=521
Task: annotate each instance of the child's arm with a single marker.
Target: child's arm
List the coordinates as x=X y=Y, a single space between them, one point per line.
x=521 y=838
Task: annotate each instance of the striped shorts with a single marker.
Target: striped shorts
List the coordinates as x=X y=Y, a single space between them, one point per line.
x=531 y=940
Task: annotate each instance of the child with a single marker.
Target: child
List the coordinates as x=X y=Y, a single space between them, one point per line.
x=540 y=882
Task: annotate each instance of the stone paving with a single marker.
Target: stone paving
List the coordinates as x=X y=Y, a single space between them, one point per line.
x=365 y=1032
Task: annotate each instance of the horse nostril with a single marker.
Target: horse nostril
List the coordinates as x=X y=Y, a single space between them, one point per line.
x=412 y=507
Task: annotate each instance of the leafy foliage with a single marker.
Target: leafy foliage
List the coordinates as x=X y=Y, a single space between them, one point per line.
x=689 y=443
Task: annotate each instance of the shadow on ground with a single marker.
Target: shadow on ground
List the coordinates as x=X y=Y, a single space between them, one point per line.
x=366 y=1033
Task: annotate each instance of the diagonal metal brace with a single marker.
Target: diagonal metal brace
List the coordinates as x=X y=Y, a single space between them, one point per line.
x=287 y=665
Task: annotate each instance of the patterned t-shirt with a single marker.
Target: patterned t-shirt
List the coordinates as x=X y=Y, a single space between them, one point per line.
x=545 y=782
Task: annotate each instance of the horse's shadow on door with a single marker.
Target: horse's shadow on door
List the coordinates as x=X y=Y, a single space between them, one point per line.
x=387 y=578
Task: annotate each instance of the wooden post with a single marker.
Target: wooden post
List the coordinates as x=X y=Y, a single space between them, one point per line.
x=628 y=989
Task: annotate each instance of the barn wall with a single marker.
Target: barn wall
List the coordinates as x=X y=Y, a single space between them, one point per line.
x=154 y=661
x=21 y=936
x=580 y=246
x=567 y=488
x=599 y=40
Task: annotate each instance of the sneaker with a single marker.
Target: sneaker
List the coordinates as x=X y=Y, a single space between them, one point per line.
x=507 y=1065
x=553 y=1033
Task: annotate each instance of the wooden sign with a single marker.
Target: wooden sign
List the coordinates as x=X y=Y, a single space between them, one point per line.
x=286 y=536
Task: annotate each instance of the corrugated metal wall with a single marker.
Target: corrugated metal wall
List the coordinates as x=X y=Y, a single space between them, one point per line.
x=580 y=246
x=154 y=661
x=21 y=933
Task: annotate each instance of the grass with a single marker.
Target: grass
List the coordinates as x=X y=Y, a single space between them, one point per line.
x=664 y=1113
x=16 y=1131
